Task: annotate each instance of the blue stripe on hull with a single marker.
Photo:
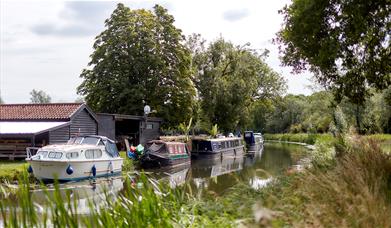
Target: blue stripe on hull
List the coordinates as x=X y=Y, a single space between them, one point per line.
x=80 y=178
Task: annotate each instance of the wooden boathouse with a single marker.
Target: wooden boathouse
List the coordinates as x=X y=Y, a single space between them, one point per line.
x=138 y=129
x=24 y=125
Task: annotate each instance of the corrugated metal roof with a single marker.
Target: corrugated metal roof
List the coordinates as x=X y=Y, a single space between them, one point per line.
x=52 y=111
x=27 y=127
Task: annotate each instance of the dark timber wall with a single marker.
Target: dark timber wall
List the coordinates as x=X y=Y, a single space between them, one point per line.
x=60 y=135
x=149 y=131
x=106 y=126
x=83 y=124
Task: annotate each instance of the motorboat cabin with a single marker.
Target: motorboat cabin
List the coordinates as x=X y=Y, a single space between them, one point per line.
x=82 y=157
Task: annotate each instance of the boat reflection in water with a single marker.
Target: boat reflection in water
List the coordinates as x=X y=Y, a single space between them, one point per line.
x=202 y=168
x=175 y=176
x=84 y=192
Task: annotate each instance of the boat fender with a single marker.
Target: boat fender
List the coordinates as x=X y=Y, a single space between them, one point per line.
x=93 y=170
x=69 y=170
x=30 y=169
x=132 y=155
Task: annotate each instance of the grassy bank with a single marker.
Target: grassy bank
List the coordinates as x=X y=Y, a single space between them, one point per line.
x=350 y=190
x=11 y=170
x=301 y=138
x=353 y=191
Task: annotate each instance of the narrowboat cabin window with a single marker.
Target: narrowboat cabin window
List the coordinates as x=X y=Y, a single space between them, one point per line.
x=72 y=155
x=55 y=155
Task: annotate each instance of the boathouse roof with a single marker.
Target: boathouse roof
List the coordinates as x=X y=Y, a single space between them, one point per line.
x=41 y=112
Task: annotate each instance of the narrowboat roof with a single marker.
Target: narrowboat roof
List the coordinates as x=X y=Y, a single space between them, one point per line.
x=218 y=139
x=167 y=143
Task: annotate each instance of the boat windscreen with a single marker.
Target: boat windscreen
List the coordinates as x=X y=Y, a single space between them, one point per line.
x=111 y=148
x=90 y=141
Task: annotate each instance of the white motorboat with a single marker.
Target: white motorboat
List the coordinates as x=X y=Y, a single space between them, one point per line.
x=82 y=157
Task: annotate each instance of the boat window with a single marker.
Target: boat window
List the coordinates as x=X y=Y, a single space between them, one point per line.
x=89 y=154
x=43 y=153
x=101 y=143
x=111 y=148
x=71 y=140
x=97 y=153
x=72 y=155
x=55 y=155
x=78 y=140
x=93 y=153
x=247 y=135
x=181 y=149
x=90 y=141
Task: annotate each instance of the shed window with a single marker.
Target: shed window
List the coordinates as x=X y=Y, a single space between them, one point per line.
x=149 y=126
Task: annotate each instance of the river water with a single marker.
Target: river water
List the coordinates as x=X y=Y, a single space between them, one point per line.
x=257 y=169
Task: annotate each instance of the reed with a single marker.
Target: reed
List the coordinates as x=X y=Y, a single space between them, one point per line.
x=352 y=192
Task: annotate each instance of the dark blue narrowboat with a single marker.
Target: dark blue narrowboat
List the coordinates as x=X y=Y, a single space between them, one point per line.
x=217 y=148
x=254 y=141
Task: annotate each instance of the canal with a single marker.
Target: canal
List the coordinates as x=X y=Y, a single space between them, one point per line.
x=215 y=176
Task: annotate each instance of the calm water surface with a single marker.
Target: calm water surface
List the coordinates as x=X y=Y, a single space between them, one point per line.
x=256 y=169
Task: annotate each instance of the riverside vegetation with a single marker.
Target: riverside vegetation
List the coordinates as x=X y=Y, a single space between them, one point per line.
x=348 y=183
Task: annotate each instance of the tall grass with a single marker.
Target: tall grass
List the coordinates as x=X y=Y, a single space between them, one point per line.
x=149 y=204
x=353 y=192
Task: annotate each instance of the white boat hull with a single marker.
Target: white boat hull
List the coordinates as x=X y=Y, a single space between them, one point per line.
x=49 y=170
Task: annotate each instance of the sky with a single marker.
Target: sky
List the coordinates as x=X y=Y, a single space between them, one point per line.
x=44 y=45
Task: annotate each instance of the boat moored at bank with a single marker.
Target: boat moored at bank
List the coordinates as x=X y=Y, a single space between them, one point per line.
x=217 y=147
x=82 y=157
x=159 y=153
x=254 y=141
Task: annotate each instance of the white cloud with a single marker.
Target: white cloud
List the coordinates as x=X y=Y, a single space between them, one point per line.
x=46 y=44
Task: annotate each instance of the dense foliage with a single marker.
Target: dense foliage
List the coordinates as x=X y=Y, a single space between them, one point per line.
x=39 y=97
x=319 y=113
x=346 y=44
x=140 y=59
x=229 y=79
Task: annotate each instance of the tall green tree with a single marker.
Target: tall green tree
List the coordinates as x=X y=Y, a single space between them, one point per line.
x=140 y=58
x=346 y=44
x=228 y=79
x=39 y=97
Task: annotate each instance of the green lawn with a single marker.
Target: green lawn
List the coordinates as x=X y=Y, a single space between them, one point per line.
x=10 y=170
